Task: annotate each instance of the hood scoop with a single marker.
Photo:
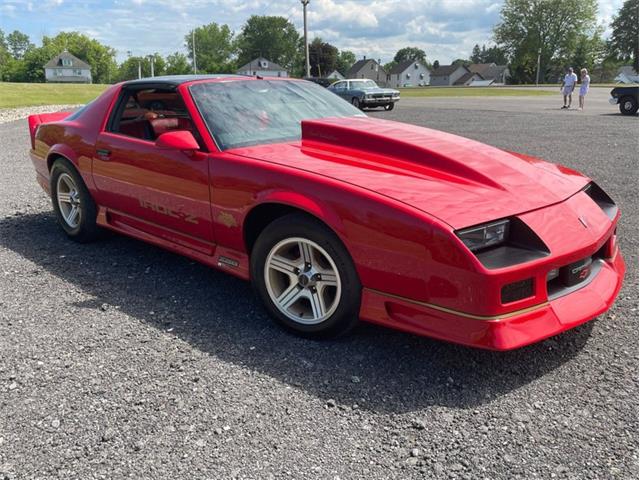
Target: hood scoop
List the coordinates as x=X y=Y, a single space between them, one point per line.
x=397 y=146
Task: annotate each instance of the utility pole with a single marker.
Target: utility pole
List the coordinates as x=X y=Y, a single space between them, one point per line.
x=151 y=60
x=193 y=46
x=538 y=69
x=139 y=69
x=306 y=38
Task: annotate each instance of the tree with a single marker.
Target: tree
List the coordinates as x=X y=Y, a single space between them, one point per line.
x=18 y=44
x=4 y=54
x=345 y=61
x=624 y=35
x=410 y=53
x=128 y=70
x=493 y=54
x=214 y=48
x=274 y=38
x=461 y=61
x=178 y=64
x=548 y=27
x=323 y=57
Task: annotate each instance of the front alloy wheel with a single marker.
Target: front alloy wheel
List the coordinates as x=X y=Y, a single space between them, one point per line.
x=302 y=280
x=305 y=277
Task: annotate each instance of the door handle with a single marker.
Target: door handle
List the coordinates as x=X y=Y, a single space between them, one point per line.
x=103 y=153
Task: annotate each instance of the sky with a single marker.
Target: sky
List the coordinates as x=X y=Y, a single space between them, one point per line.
x=445 y=29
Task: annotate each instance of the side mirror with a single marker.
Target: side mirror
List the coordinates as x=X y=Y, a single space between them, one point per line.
x=177 y=140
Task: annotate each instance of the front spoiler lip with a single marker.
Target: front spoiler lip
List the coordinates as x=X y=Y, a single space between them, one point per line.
x=514 y=330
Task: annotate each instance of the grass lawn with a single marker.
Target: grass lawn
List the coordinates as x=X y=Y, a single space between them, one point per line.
x=472 y=92
x=29 y=94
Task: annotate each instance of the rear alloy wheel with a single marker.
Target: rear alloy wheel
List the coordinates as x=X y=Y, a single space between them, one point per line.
x=305 y=277
x=75 y=209
x=389 y=106
x=628 y=105
x=355 y=102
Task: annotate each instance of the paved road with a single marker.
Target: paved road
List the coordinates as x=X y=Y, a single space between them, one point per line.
x=118 y=359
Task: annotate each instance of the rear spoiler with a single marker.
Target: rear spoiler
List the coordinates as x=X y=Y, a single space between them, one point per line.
x=40 y=118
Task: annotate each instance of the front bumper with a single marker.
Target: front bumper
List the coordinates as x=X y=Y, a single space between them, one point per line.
x=379 y=101
x=501 y=332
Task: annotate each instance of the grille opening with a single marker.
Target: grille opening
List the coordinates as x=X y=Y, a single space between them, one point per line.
x=515 y=291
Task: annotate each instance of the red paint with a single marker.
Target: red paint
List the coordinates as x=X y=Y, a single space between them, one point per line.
x=393 y=193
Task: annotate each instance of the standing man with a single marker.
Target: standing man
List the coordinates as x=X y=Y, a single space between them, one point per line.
x=568 y=85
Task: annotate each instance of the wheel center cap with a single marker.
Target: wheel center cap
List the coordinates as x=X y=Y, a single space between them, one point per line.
x=304 y=280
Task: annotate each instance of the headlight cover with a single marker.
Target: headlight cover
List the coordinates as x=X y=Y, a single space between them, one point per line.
x=484 y=236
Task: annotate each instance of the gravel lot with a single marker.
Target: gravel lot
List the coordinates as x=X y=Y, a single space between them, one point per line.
x=118 y=359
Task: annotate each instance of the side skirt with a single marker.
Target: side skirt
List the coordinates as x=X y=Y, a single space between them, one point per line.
x=221 y=258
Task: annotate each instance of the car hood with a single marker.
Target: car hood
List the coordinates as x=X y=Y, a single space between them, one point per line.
x=460 y=181
x=379 y=90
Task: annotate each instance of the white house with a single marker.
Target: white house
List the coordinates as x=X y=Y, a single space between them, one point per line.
x=335 y=75
x=67 y=68
x=412 y=73
x=263 y=67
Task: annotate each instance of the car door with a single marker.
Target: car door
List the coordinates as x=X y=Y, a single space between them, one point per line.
x=161 y=192
x=340 y=88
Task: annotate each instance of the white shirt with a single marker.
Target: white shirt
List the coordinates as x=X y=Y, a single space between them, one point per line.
x=570 y=79
x=586 y=80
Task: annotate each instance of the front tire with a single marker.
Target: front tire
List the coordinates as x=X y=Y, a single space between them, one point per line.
x=356 y=103
x=74 y=208
x=305 y=277
x=628 y=105
x=389 y=106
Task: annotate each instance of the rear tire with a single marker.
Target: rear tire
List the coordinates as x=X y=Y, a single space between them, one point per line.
x=74 y=207
x=305 y=277
x=628 y=105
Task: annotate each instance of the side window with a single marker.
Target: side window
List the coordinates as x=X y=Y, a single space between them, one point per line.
x=147 y=114
x=341 y=86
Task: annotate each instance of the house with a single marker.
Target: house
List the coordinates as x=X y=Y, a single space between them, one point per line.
x=263 y=67
x=447 y=75
x=626 y=74
x=335 y=75
x=368 y=68
x=498 y=74
x=412 y=73
x=67 y=68
x=467 y=79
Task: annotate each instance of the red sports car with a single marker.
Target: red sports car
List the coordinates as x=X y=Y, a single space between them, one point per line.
x=332 y=215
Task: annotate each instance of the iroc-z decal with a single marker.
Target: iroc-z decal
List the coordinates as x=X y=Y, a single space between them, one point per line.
x=168 y=212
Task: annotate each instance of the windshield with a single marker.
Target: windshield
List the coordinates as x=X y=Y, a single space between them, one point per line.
x=251 y=112
x=363 y=84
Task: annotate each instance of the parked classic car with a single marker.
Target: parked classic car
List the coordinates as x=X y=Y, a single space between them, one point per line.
x=332 y=215
x=364 y=93
x=626 y=98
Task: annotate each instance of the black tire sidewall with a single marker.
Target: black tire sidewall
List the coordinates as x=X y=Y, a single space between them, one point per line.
x=298 y=225
x=87 y=230
x=634 y=105
x=356 y=103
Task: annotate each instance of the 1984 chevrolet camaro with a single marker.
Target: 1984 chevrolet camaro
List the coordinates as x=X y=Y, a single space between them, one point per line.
x=332 y=215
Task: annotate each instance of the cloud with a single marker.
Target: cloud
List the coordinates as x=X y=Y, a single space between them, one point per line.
x=445 y=29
